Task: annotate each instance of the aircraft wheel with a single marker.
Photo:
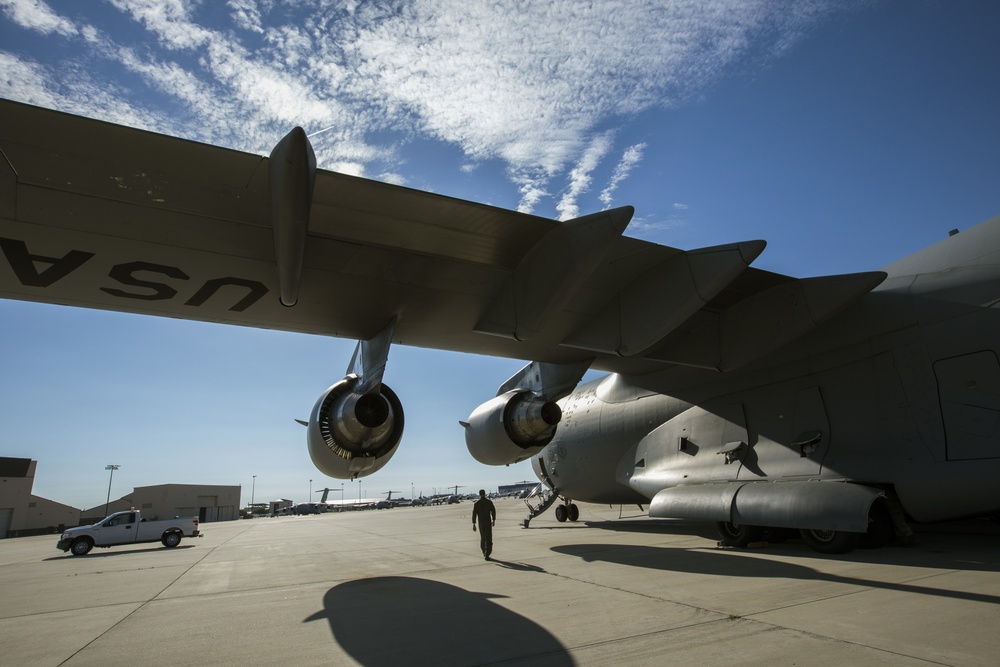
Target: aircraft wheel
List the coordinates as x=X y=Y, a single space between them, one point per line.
x=171 y=540
x=81 y=546
x=738 y=535
x=830 y=541
x=881 y=530
x=776 y=535
x=574 y=512
x=561 y=513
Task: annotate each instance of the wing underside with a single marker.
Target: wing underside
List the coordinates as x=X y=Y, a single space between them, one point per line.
x=102 y=216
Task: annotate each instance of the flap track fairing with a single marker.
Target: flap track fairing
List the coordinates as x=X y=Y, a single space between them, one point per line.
x=291 y=178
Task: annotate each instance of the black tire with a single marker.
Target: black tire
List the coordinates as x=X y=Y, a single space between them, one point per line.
x=776 y=535
x=81 y=546
x=738 y=535
x=561 y=513
x=171 y=540
x=830 y=541
x=881 y=529
x=574 y=512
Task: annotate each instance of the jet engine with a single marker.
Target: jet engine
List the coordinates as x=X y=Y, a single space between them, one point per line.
x=354 y=434
x=511 y=427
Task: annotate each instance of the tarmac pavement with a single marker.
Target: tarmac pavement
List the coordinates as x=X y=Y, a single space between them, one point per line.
x=408 y=586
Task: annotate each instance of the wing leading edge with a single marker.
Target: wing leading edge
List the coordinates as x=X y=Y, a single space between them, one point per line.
x=103 y=216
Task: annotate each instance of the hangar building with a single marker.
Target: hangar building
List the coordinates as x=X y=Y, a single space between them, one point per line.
x=21 y=512
x=207 y=502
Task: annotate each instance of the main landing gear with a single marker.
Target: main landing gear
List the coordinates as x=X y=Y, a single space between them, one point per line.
x=566 y=511
x=886 y=524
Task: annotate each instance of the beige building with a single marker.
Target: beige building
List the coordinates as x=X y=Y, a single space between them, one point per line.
x=21 y=512
x=163 y=501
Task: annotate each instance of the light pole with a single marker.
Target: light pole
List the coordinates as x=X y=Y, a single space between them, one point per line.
x=253 y=489
x=310 y=490
x=112 y=467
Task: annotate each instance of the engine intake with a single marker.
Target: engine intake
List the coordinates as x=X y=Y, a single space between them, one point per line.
x=353 y=435
x=511 y=427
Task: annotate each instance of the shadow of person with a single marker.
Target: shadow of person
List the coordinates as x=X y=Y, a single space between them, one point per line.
x=388 y=621
x=522 y=567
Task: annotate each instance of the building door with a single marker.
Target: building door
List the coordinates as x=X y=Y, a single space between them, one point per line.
x=5 y=516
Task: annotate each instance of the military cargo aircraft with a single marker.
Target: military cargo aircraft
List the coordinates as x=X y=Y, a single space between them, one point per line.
x=841 y=406
x=343 y=503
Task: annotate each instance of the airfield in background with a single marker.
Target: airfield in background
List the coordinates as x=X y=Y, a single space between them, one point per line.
x=409 y=586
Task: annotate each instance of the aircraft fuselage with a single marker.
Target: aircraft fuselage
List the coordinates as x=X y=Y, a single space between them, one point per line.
x=900 y=392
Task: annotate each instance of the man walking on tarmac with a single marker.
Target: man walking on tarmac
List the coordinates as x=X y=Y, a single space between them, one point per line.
x=487 y=515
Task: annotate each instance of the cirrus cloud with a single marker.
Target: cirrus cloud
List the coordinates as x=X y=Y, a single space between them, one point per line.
x=541 y=87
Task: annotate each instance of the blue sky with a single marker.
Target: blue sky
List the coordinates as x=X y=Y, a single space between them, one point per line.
x=846 y=134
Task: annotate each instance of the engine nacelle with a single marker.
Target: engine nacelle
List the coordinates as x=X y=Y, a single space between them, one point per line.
x=511 y=427
x=353 y=435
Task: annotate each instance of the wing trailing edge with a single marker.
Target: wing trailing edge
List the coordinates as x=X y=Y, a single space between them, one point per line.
x=664 y=297
x=764 y=322
x=551 y=272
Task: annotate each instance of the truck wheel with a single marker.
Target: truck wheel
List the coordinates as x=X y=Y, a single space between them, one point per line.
x=171 y=540
x=81 y=546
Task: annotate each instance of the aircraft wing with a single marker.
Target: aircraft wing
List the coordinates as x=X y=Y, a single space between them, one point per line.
x=98 y=215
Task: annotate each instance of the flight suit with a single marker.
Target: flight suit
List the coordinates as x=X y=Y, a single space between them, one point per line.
x=486 y=513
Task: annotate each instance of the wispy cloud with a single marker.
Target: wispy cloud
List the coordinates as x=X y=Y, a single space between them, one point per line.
x=579 y=176
x=38 y=16
x=631 y=157
x=542 y=88
x=246 y=15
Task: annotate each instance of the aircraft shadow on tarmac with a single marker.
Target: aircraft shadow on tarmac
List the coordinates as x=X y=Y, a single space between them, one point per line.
x=388 y=621
x=931 y=541
x=669 y=526
x=735 y=563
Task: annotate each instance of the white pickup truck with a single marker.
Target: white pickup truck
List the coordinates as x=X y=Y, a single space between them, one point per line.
x=128 y=528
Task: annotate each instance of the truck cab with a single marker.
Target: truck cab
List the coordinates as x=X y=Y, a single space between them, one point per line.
x=118 y=528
